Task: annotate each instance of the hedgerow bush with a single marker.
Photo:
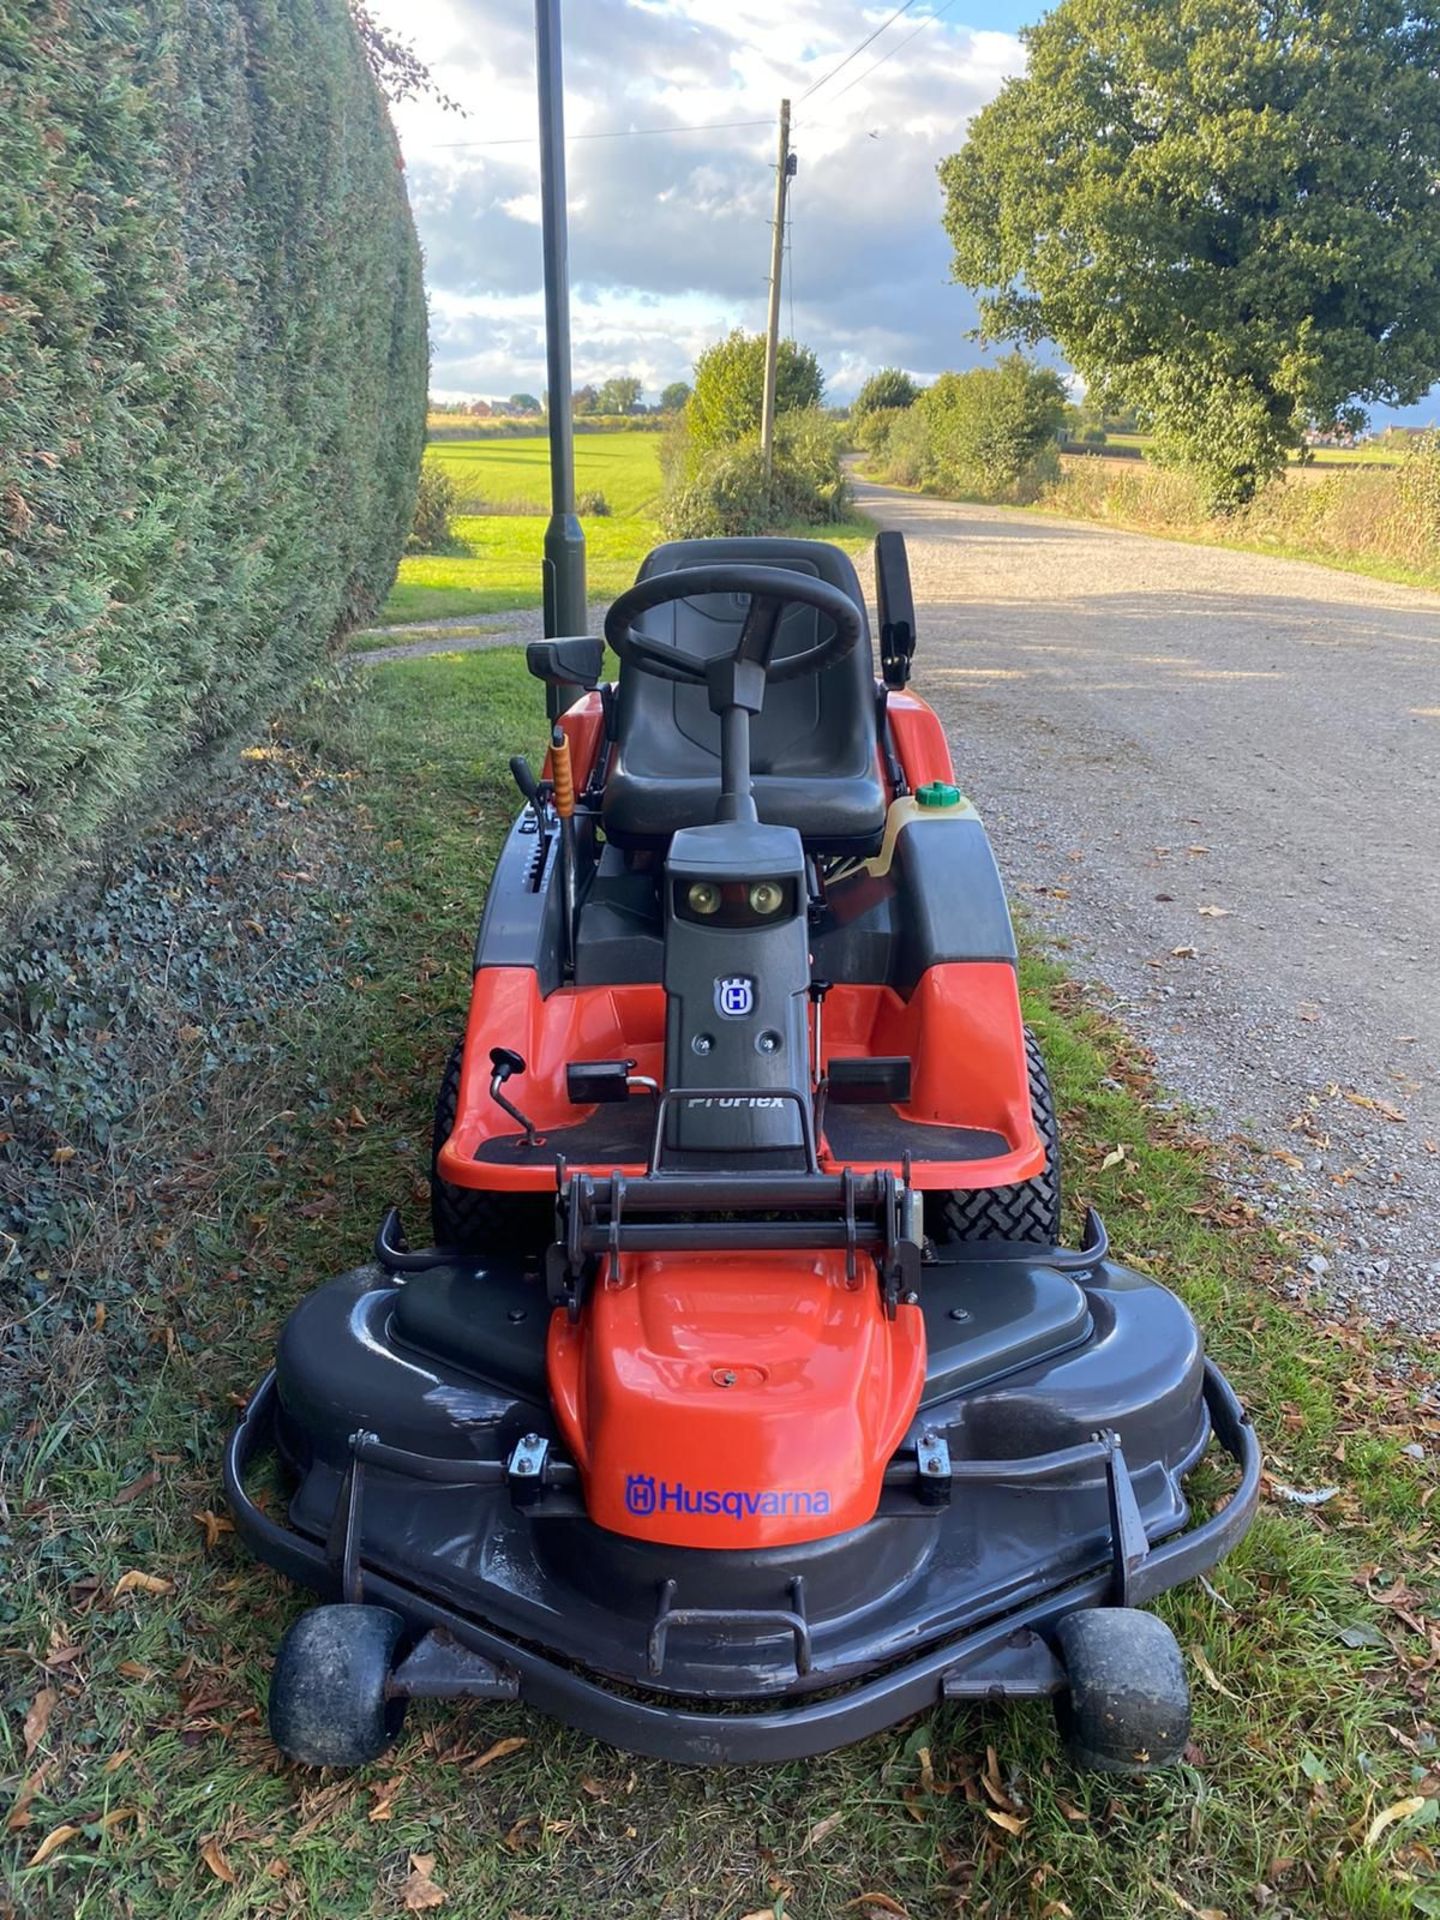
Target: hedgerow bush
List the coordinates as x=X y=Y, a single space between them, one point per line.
x=724 y=490
x=989 y=434
x=436 y=505
x=212 y=387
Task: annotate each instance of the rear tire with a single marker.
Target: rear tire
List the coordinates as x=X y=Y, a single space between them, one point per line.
x=1127 y=1707
x=1028 y=1212
x=330 y=1704
x=467 y=1219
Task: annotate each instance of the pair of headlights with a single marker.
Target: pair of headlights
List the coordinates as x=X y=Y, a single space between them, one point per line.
x=766 y=897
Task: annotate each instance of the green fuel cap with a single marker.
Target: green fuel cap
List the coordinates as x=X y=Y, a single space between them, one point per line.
x=938 y=793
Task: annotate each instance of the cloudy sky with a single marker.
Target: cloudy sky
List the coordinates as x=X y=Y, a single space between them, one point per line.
x=669 y=231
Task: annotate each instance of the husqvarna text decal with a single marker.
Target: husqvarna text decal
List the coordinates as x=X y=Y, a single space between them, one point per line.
x=644 y=1494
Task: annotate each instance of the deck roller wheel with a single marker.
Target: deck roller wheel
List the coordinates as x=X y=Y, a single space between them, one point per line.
x=1127 y=1706
x=330 y=1699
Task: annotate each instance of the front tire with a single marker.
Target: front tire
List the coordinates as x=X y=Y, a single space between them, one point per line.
x=330 y=1704
x=1029 y=1212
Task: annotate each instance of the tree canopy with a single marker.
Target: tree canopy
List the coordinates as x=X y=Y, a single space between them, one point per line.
x=619 y=394
x=730 y=385
x=1224 y=211
x=675 y=396
x=887 y=388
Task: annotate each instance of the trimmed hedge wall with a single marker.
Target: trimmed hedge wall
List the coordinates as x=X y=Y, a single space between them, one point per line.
x=212 y=388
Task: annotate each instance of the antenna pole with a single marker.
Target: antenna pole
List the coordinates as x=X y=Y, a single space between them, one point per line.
x=566 y=606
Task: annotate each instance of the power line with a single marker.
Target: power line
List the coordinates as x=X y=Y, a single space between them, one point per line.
x=929 y=20
x=612 y=133
x=856 y=51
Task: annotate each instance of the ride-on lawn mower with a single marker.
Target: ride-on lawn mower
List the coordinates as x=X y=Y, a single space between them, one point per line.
x=747 y=1401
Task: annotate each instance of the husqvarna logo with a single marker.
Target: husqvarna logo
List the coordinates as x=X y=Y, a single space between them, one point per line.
x=645 y=1495
x=735 y=996
x=640 y=1492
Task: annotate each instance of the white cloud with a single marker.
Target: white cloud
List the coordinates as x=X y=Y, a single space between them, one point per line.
x=669 y=234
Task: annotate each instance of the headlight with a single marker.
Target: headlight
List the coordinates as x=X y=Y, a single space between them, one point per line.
x=766 y=897
x=704 y=897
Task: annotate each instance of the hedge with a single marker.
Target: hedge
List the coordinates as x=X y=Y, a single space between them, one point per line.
x=212 y=388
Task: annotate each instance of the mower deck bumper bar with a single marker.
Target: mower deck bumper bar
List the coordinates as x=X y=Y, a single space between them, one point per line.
x=1005 y=1656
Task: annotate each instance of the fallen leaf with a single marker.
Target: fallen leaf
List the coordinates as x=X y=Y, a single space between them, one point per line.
x=214 y=1524
x=385 y=1792
x=137 y=1582
x=136 y=1488
x=1112 y=1159
x=215 y=1860
x=52 y=1843
x=821 y=1830
x=1299 y=1498
x=1212 y=1679
x=1070 y=1810
x=62 y=1156
x=38 y=1718
x=1196 y=1913
x=1215 y=913
x=1362 y=1636
x=500 y=1751
x=1182 y=953
x=419 y=1891
x=1398 y=1810
x=1011 y=1822
x=882 y=1902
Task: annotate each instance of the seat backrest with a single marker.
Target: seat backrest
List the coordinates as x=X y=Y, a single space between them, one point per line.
x=822 y=724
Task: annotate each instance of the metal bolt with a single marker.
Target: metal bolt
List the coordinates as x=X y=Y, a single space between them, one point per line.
x=959 y=1313
x=702 y=1043
x=768 y=1042
x=515 y=1314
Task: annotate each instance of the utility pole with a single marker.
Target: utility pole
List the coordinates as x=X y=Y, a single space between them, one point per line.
x=566 y=608
x=784 y=168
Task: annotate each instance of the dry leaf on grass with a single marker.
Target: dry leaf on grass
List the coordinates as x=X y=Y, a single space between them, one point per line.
x=821 y=1830
x=52 y=1843
x=38 y=1718
x=876 y=1903
x=419 y=1891
x=1400 y=1810
x=215 y=1860
x=214 y=1524
x=500 y=1751
x=1011 y=1822
x=137 y=1582
x=1212 y=1679
x=1112 y=1159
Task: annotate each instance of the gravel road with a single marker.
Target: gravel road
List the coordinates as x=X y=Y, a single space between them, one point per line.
x=1217 y=775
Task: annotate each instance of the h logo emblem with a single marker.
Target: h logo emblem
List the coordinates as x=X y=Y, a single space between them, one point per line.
x=735 y=996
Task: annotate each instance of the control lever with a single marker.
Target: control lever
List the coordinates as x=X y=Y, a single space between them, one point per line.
x=524 y=778
x=507 y=1062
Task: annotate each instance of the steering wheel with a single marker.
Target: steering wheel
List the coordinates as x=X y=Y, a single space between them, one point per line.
x=771 y=590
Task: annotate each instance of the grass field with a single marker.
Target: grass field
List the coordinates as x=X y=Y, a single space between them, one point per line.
x=1362 y=456
x=136 y=1636
x=500 y=570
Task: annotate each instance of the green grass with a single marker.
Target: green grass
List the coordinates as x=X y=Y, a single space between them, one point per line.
x=625 y=467
x=156 y=1721
x=500 y=569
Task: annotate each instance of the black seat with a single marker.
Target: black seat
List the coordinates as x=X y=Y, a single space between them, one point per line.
x=812 y=749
